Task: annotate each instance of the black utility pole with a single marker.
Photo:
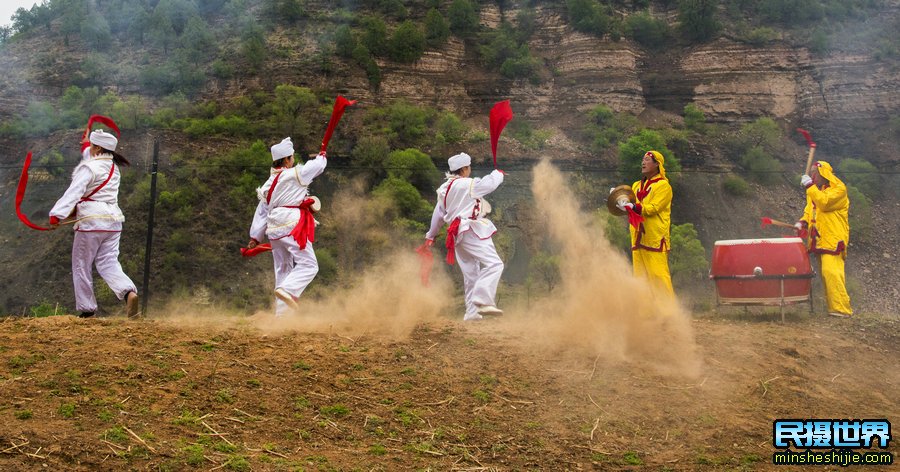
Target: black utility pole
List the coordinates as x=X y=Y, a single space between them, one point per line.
x=153 y=172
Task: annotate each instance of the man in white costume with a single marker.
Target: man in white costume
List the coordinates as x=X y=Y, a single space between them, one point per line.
x=460 y=204
x=93 y=198
x=284 y=216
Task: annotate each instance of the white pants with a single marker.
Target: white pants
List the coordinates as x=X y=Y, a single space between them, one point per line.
x=100 y=249
x=481 y=268
x=295 y=268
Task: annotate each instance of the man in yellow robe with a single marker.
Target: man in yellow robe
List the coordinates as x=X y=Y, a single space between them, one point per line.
x=826 y=220
x=650 y=240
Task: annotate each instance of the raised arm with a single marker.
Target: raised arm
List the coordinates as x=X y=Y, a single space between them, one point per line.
x=486 y=184
x=312 y=169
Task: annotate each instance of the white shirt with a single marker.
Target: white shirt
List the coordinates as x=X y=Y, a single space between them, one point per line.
x=273 y=219
x=101 y=212
x=458 y=197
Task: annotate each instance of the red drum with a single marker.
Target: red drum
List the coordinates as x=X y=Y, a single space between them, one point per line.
x=761 y=271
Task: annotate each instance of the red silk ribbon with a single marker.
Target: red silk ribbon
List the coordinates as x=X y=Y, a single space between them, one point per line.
x=501 y=114
x=339 y=104
x=306 y=227
x=256 y=250
x=452 y=233
x=20 y=195
x=98 y=119
x=426 y=261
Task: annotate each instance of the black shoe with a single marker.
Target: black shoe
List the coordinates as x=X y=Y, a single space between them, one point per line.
x=86 y=314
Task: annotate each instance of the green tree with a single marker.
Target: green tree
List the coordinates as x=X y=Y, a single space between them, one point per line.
x=862 y=222
x=95 y=31
x=407 y=44
x=253 y=47
x=344 y=41
x=606 y=127
x=632 y=151
x=404 y=197
x=543 y=268
x=413 y=166
x=862 y=175
x=289 y=106
x=437 y=29
x=407 y=123
x=197 y=41
x=761 y=166
x=589 y=16
x=370 y=152
x=697 y=19
x=463 y=17
x=687 y=258
x=375 y=35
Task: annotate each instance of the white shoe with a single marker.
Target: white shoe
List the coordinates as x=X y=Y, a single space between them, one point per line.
x=287 y=298
x=838 y=315
x=489 y=310
x=475 y=317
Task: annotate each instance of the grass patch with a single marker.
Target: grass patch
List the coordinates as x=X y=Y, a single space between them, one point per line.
x=334 y=411
x=116 y=435
x=24 y=414
x=66 y=410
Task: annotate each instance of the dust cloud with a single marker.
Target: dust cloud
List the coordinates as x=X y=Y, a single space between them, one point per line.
x=598 y=310
x=599 y=307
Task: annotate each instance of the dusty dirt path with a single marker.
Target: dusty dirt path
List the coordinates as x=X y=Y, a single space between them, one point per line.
x=112 y=394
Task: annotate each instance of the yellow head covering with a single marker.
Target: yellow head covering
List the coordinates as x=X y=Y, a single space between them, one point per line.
x=658 y=157
x=827 y=173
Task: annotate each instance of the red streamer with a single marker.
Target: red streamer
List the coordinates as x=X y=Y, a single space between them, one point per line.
x=101 y=119
x=501 y=114
x=339 y=104
x=766 y=221
x=20 y=195
x=806 y=135
x=426 y=261
x=256 y=250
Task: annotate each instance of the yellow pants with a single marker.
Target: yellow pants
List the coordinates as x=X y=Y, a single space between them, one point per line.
x=653 y=266
x=835 y=286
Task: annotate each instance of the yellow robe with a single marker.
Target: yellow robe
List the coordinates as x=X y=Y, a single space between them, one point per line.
x=650 y=241
x=827 y=216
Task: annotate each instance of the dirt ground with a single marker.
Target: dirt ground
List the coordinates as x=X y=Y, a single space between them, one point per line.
x=219 y=393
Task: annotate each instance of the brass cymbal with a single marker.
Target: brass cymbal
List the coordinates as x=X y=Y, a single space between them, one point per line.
x=622 y=191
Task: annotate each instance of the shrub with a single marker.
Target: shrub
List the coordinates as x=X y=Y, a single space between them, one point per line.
x=616 y=230
x=344 y=41
x=694 y=118
x=605 y=127
x=407 y=43
x=687 y=259
x=760 y=165
x=413 y=166
x=370 y=152
x=375 y=35
x=404 y=197
x=735 y=185
x=463 y=17
x=860 y=174
x=862 y=222
x=543 y=268
x=525 y=134
x=589 y=16
x=437 y=29
x=760 y=36
x=697 y=19
x=450 y=129
x=407 y=123
x=632 y=151
x=646 y=30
